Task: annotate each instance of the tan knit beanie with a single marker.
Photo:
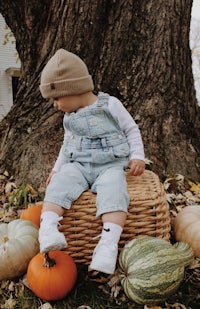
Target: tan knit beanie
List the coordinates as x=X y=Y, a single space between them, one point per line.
x=65 y=74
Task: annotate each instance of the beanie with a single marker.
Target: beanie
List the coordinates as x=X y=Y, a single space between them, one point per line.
x=65 y=74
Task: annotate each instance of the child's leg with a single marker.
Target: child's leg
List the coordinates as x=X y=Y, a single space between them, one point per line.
x=105 y=254
x=49 y=236
x=117 y=217
x=48 y=206
x=112 y=193
x=65 y=187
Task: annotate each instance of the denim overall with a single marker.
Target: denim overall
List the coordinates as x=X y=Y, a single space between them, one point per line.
x=97 y=152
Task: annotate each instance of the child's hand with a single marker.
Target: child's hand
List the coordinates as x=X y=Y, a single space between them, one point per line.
x=136 y=167
x=49 y=177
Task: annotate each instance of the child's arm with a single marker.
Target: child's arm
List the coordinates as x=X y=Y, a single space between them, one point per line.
x=60 y=161
x=49 y=177
x=136 y=167
x=132 y=132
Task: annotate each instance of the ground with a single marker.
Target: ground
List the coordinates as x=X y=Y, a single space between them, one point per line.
x=97 y=291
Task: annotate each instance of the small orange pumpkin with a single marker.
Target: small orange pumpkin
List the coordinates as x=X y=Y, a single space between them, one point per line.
x=32 y=214
x=51 y=276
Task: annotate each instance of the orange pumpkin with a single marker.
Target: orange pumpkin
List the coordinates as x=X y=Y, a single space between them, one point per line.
x=32 y=214
x=51 y=276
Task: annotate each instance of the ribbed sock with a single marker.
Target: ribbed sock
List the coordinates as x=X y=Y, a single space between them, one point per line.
x=111 y=231
x=49 y=216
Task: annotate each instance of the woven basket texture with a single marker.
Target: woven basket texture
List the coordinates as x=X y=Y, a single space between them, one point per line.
x=148 y=214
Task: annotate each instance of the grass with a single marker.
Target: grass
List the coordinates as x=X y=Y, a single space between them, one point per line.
x=89 y=294
x=85 y=293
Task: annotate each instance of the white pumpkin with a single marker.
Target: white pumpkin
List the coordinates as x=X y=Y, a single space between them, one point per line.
x=18 y=244
x=187 y=227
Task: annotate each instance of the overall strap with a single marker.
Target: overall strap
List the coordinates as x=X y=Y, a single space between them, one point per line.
x=102 y=99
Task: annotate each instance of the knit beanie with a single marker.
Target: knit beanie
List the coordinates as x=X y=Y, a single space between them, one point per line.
x=65 y=74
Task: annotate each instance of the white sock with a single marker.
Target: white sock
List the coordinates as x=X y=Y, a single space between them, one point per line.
x=111 y=231
x=48 y=217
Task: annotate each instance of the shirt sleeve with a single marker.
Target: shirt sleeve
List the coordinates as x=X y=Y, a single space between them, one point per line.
x=61 y=159
x=129 y=127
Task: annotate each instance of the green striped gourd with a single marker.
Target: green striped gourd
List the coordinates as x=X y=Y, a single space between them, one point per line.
x=151 y=269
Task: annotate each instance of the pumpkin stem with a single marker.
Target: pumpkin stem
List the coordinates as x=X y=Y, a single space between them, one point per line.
x=48 y=262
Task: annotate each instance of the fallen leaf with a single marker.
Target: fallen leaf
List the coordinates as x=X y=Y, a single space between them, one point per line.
x=152 y=307
x=31 y=190
x=9 y=303
x=4 y=283
x=9 y=187
x=11 y=286
x=46 y=306
x=194 y=264
x=6 y=174
x=115 y=291
x=2 y=177
x=2 y=214
x=176 y=306
x=84 y=307
x=148 y=162
x=195 y=188
x=25 y=281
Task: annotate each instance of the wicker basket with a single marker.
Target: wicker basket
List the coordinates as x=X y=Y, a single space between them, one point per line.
x=148 y=215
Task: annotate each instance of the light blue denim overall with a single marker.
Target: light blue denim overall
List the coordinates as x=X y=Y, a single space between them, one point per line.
x=97 y=153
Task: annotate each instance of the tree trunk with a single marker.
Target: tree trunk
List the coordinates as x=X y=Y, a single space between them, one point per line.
x=135 y=50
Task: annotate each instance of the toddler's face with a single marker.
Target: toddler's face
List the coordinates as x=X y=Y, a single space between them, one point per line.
x=72 y=103
x=67 y=104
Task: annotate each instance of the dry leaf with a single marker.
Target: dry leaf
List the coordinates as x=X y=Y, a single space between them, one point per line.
x=6 y=174
x=9 y=187
x=25 y=281
x=194 y=264
x=115 y=291
x=195 y=188
x=148 y=162
x=152 y=307
x=2 y=177
x=11 y=286
x=31 y=190
x=175 y=306
x=46 y=306
x=4 y=283
x=84 y=307
x=2 y=214
x=9 y=303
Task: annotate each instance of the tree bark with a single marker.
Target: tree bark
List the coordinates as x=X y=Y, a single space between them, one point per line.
x=135 y=50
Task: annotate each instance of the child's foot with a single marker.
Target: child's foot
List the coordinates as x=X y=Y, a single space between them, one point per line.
x=104 y=257
x=50 y=238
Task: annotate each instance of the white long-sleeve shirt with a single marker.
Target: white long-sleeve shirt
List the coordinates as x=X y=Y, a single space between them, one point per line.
x=127 y=125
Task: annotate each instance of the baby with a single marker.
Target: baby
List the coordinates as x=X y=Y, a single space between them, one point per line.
x=101 y=139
